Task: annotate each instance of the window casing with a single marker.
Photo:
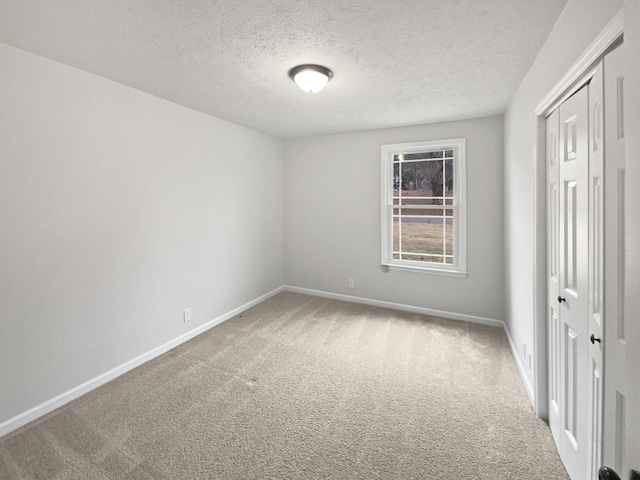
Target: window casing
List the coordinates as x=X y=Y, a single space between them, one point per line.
x=424 y=206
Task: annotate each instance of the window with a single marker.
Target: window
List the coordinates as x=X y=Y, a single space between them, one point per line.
x=423 y=206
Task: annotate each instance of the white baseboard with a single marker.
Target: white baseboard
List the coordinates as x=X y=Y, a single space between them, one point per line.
x=398 y=306
x=521 y=368
x=66 y=397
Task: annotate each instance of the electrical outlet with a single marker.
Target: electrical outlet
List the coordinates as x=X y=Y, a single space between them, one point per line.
x=352 y=283
x=524 y=351
x=529 y=358
x=187 y=315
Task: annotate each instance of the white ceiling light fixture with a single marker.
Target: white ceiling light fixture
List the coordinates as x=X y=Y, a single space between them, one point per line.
x=311 y=78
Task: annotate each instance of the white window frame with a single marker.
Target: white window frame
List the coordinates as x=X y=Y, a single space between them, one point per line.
x=459 y=266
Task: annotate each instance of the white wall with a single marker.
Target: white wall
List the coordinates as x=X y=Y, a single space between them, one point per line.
x=117 y=211
x=332 y=219
x=577 y=26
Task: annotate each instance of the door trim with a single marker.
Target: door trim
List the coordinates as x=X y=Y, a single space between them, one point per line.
x=575 y=78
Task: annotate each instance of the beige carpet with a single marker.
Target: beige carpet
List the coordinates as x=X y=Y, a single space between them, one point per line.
x=301 y=387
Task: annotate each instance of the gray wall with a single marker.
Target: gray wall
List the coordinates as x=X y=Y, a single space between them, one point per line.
x=332 y=219
x=577 y=26
x=117 y=211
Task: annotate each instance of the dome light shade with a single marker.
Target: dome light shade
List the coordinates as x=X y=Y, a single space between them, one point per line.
x=311 y=78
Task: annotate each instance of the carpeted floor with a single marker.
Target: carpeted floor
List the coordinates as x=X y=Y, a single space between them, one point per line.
x=301 y=387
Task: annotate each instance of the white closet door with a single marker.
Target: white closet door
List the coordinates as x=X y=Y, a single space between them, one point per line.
x=596 y=270
x=569 y=304
x=616 y=332
x=553 y=274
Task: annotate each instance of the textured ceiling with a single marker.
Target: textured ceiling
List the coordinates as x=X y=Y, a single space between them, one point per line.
x=396 y=62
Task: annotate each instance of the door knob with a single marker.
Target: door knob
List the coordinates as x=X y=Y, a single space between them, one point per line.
x=594 y=339
x=606 y=473
x=560 y=299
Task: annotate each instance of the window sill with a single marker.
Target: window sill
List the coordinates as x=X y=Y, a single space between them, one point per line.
x=427 y=270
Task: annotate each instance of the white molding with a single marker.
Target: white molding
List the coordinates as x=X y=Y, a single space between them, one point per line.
x=66 y=397
x=521 y=368
x=540 y=339
x=398 y=306
x=578 y=74
x=430 y=270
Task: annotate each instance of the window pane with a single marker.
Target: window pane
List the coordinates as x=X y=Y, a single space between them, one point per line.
x=423 y=258
x=412 y=212
x=410 y=180
x=423 y=155
x=422 y=238
x=448 y=212
x=424 y=179
x=436 y=213
x=412 y=197
x=396 y=234
x=415 y=200
x=449 y=242
x=449 y=178
x=396 y=179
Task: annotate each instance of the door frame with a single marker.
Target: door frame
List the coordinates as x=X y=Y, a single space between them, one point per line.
x=575 y=78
